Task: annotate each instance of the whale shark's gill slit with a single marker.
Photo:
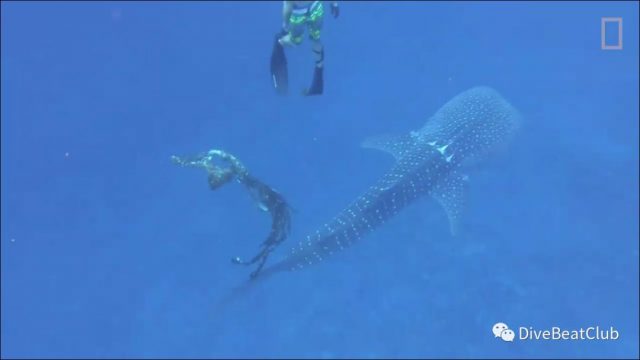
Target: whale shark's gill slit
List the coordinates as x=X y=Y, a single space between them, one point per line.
x=443 y=148
x=428 y=161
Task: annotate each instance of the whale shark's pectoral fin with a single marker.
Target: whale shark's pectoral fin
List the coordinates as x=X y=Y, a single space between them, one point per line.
x=451 y=194
x=396 y=145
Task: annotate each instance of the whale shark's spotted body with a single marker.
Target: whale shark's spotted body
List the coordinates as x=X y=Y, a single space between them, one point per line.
x=429 y=161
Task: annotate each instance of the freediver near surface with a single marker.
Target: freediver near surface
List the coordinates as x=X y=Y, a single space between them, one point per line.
x=267 y=198
x=296 y=16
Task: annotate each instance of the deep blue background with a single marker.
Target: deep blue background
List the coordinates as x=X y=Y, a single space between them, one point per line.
x=114 y=251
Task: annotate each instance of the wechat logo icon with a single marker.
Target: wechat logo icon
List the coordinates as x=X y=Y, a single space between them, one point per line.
x=501 y=330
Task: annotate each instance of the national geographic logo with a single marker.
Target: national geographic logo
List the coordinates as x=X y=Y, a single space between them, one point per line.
x=611 y=33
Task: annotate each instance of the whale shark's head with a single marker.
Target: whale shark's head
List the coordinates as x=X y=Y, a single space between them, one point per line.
x=472 y=124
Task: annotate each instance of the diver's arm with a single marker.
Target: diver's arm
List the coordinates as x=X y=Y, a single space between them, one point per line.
x=335 y=10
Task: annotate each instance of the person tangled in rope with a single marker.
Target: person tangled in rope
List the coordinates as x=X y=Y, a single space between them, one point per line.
x=267 y=198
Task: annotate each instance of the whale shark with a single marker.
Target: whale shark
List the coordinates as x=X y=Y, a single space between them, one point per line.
x=429 y=161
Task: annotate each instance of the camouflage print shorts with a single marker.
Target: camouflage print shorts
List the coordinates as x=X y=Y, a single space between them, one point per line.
x=310 y=17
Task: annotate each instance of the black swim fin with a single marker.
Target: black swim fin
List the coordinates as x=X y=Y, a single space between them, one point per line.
x=317 y=85
x=279 y=72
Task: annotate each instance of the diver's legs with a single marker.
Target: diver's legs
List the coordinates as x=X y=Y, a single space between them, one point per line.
x=317 y=83
x=318 y=51
x=315 y=28
x=314 y=25
x=295 y=30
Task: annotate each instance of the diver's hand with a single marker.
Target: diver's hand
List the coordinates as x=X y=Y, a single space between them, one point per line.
x=335 y=10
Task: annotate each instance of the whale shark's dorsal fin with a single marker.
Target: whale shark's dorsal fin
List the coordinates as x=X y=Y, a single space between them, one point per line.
x=396 y=145
x=451 y=193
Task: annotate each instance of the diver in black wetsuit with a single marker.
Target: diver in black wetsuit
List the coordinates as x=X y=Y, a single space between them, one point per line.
x=267 y=199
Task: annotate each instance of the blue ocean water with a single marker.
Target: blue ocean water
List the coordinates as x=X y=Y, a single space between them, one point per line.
x=110 y=250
